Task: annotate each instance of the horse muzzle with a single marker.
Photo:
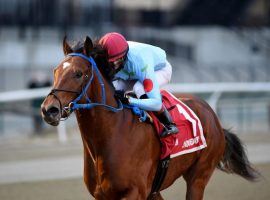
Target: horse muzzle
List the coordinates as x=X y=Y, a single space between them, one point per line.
x=51 y=114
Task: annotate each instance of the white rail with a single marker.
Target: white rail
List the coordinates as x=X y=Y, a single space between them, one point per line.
x=20 y=95
x=216 y=89
x=219 y=87
x=27 y=94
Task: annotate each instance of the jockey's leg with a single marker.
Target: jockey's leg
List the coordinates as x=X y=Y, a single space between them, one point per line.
x=120 y=84
x=165 y=118
x=164 y=75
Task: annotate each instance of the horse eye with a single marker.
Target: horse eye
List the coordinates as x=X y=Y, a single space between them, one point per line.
x=78 y=74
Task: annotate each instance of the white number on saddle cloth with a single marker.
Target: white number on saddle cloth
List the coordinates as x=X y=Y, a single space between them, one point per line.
x=190 y=137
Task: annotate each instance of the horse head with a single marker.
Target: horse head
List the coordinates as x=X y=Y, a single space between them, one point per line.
x=73 y=79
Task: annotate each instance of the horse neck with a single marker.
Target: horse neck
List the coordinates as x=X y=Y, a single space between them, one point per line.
x=95 y=91
x=96 y=86
x=97 y=125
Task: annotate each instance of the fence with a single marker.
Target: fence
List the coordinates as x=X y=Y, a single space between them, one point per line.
x=245 y=107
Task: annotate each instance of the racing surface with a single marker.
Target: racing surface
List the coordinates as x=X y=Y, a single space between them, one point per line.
x=41 y=168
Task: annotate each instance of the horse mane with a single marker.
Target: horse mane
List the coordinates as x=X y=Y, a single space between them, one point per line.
x=98 y=54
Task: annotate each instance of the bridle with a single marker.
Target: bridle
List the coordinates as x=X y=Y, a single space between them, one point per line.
x=74 y=105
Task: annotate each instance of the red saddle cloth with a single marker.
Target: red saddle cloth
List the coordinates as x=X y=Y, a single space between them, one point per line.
x=190 y=137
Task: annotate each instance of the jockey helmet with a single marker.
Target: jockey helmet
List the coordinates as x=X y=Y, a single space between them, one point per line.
x=115 y=44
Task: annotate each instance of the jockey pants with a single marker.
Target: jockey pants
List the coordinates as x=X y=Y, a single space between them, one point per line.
x=163 y=76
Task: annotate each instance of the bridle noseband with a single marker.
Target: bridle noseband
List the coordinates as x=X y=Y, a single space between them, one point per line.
x=74 y=105
x=54 y=93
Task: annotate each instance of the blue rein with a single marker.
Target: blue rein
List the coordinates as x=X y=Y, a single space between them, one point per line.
x=75 y=106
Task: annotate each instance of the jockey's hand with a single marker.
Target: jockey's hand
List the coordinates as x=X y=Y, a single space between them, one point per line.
x=120 y=94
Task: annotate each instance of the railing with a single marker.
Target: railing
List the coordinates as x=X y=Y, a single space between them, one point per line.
x=215 y=90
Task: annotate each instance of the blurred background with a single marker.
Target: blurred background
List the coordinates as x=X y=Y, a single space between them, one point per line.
x=219 y=50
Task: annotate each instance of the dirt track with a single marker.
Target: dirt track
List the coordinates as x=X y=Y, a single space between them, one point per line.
x=221 y=186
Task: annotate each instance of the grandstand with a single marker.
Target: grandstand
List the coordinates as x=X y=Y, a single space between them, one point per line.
x=229 y=46
x=197 y=54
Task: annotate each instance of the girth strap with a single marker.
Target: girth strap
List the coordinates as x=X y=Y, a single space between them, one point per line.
x=160 y=174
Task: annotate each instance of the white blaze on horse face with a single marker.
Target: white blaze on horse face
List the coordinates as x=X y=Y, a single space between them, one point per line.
x=65 y=65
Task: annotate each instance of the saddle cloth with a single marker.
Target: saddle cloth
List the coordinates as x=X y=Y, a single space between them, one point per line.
x=190 y=137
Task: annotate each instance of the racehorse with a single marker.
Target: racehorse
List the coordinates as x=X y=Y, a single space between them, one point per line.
x=121 y=153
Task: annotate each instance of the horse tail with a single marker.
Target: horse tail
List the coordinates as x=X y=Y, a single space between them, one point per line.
x=235 y=159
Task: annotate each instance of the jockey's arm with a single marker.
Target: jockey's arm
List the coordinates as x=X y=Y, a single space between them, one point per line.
x=151 y=104
x=151 y=88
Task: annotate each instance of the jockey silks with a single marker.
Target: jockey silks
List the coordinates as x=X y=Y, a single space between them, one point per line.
x=142 y=62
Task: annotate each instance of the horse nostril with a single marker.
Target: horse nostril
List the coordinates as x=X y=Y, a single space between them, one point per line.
x=54 y=111
x=43 y=110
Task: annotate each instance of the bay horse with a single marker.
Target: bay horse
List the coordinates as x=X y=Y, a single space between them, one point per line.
x=121 y=153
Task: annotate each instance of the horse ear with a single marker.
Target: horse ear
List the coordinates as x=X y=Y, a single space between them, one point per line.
x=88 y=46
x=66 y=48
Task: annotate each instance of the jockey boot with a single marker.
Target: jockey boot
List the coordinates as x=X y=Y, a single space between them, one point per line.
x=166 y=119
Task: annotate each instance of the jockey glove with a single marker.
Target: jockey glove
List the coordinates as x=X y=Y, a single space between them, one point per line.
x=120 y=94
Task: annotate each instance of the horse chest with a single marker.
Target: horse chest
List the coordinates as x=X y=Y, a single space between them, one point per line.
x=110 y=189
x=104 y=179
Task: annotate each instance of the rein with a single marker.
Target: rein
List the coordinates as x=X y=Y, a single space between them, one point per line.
x=74 y=105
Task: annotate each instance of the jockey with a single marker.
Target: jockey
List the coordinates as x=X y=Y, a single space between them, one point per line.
x=142 y=68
